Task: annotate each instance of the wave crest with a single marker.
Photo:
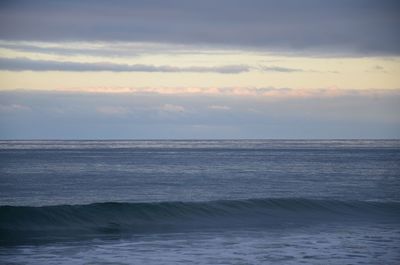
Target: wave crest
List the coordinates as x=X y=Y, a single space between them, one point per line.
x=110 y=217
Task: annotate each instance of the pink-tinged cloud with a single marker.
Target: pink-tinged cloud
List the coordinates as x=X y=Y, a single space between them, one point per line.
x=267 y=92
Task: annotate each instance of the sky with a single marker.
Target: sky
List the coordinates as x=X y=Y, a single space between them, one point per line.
x=199 y=69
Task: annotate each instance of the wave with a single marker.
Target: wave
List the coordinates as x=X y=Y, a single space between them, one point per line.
x=23 y=222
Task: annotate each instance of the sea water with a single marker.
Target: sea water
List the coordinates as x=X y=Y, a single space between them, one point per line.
x=200 y=202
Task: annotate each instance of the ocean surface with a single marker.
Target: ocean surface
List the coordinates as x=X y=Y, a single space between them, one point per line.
x=200 y=202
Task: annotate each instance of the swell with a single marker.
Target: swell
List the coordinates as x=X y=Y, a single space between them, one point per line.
x=21 y=222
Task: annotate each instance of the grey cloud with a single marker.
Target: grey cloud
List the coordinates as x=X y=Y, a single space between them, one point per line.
x=23 y=47
x=25 y=64
x=280 y=69
x=376 y=69
x=339 y=27
x=111 y=49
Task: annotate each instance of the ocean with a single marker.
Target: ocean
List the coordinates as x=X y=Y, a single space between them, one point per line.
x=200 y=202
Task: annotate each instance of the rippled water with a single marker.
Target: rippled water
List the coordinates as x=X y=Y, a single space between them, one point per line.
x=244 y=202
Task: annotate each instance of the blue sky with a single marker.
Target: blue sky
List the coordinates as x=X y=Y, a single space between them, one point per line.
x=199 y=69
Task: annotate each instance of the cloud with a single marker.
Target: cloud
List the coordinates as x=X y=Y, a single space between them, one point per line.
x=350 y=114
x=13 y=108
x=356 y=27
x=113 y=110
x=219 y=107
x=280 y=69
x=108 y=48
x=25 y=64
x=172 y=108
x=376 y=69
x=271 y=93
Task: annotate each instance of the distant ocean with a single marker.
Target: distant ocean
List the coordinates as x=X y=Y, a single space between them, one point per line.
x=200 y=202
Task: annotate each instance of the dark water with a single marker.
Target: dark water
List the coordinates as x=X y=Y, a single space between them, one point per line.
x=200 y=202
